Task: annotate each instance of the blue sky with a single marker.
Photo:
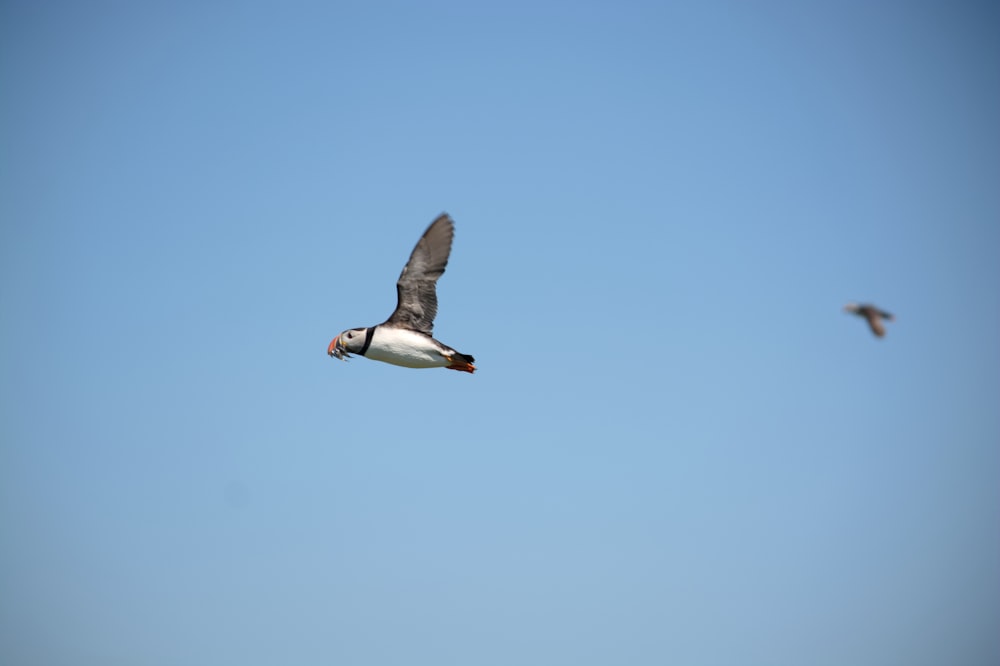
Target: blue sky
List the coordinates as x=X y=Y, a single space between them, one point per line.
x=677 y=447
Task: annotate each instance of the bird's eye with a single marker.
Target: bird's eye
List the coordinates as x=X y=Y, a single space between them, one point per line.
x=350 y=336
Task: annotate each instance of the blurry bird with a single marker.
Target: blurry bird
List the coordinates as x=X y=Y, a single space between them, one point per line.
x=405 y=337
x=872 y=314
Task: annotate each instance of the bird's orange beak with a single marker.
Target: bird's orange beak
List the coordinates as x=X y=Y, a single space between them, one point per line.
x=333 y=345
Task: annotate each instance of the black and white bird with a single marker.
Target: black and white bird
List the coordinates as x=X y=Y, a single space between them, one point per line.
x=405 y=337
x=873 y=314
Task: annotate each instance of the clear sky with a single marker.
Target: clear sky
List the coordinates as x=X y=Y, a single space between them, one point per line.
x=678 y=449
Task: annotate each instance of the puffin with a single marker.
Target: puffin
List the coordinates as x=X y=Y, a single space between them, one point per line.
x=873 y=314
x=405 y=338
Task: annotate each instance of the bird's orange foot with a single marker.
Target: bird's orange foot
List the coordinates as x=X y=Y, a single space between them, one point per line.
x=462 y=366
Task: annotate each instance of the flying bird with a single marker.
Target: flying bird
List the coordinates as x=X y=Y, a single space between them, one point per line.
x=405 y=337
x=872 y=314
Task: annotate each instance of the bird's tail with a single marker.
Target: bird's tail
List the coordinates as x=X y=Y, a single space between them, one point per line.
x=462 y=362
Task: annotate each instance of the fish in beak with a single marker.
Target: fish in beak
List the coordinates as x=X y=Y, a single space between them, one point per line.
x=337 y=350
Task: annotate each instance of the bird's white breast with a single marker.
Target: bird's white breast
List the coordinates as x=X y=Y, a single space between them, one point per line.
x=404 y=347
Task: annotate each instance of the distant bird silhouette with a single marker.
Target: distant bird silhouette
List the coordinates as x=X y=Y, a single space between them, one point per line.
x=872 y=314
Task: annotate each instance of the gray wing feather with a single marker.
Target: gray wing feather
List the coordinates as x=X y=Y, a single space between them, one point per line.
x=416 y=304
x=875 y=323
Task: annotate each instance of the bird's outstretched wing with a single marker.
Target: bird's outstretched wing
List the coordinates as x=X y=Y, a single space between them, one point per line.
x=875 y=323
x=416 y=304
